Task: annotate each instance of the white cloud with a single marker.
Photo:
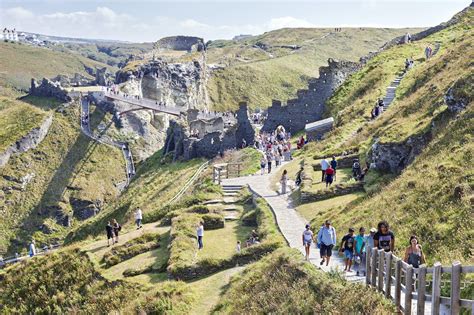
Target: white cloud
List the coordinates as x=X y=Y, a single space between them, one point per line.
x=190 y=23
x=288 y=21
x=18 y=13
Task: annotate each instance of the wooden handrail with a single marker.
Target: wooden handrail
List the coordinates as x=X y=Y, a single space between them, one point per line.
x=411 y=283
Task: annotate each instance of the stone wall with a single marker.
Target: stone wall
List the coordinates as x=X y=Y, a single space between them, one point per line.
x=186 y=43
x=211 y=144
x=310 y=104
x=48 y=88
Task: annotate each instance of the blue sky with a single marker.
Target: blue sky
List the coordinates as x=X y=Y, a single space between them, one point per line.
x=150 y=20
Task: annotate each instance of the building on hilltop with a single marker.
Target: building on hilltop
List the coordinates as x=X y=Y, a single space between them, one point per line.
x=10 y=35
x=310 y=104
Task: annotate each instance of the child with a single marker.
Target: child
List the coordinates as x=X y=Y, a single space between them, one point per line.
x=263 y=163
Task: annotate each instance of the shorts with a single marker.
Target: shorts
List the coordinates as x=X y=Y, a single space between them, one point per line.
x=348 y=254
x=328 y=179
x=307 y=242
x=110 y=235
x=325 y=250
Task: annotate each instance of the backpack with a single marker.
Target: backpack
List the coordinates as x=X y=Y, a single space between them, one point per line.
x=120 y=228
x=356 y=165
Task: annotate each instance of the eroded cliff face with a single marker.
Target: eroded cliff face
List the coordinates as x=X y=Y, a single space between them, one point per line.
x=176 y=85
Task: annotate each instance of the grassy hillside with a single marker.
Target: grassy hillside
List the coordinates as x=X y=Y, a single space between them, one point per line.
x=432 y=197
x=19 y=63
x=258 y=75
x=282 y=283
x=66 y=166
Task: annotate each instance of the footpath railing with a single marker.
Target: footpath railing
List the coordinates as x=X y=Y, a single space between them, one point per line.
x=225 y=170
x=40 y=251
x=399 y=281
x=189 y=183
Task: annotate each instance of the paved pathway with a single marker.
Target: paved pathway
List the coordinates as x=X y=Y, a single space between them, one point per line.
x=290 y=222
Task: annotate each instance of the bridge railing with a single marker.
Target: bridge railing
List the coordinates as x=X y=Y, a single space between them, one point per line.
x=394 y=278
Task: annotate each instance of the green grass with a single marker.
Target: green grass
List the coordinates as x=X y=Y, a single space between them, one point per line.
x=65 y=165
x=322 y=210
x=20 y=63
x=282 y=283
x=137 y=246
x=249 y=158
x=17 y=119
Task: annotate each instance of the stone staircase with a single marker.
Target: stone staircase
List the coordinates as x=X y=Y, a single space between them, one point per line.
x=230 y=209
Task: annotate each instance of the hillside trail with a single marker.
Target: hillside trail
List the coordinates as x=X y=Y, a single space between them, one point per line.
x=290 y=222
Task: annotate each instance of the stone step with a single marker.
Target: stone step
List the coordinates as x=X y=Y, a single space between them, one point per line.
x=212 y=202
x=228 y=200
x=230 y=194
x=230 y=208
x=231 y=190
x=232 y=186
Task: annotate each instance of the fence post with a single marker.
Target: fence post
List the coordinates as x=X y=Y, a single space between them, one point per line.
x=219 y=175
x=380 y=270
x=456 y=288
x=436 y=291
x=420 y=304
x=367 y=266
x=213 y=174
x=398 y=282
x=373 y=269
x=388 y=274
x=238 y=170
x=408 y=289
x=227 y=167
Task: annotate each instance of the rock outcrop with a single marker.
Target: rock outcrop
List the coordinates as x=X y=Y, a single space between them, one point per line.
x=213 y=141
x=27 y=142
x=183 y=43
x=48 y=88
x=310 y=105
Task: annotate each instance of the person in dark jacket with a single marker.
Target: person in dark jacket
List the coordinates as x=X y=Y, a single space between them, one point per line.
x=109 y=229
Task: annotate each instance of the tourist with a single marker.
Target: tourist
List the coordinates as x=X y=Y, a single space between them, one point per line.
x=428 y=52
x=414 y=254
x=360 y=248
x=370 y=239
x=326 y=240
x=110 y=233
x=334 y=166
x=263 y=163
x=300 y=143
x=284 y=181
x=269 y=160
x=307 y=238
x=347 y=246
x=32 y=250
x=356 y=169
x=117 y=228
x=277 y=157
x=299 y=176
x=200 y=234
x=238 y=247
x=138 y=218
x=407 y=38
x=324 y=167
x=329 y=176
x=384 y=238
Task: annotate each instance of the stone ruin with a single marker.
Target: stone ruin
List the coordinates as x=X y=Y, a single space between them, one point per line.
x=48 y=88
x=216 y=136
x=310 y=104
x=182 y=43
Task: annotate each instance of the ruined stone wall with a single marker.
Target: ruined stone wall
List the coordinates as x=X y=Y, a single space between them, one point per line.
x=48 y=88
x=309 y=105
x=186 y=43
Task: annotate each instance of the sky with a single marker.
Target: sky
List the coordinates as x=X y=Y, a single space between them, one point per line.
x=149 y=20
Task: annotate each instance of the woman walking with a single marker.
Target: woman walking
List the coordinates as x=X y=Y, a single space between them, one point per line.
x=414 y=254
x=307 y=240
x=284 y=181
x=116 y=227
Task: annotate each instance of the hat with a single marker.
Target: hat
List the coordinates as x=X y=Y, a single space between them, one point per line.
x=307 y=226
x=373 y=230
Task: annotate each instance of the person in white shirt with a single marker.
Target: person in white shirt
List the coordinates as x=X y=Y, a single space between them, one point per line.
x=238 y=247
x=200 y=234
x=32 y=251
x=138 y=218
x=324 y=167
x=307 y=238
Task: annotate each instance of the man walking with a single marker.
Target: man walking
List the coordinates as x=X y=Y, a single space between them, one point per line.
x=347 y=246
x=200 y=234
x=324 y=167
x=326 y=240
x=138 y=218
x=360 y=244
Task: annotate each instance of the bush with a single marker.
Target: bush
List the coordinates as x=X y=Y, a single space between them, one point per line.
x=282 y=283
x=131 y=249
x=213 y=221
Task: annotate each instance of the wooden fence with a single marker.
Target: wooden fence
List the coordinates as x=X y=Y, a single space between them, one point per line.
x=399 y=281
x=226 y=170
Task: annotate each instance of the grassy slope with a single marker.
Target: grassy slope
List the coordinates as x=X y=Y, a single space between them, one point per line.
x=251 y=74
x=17 y=119
x=20 y=63
x=282 y=283
x=66 y=164
x=422 y=200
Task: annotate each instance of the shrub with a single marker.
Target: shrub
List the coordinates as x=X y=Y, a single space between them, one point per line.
x=131 y=249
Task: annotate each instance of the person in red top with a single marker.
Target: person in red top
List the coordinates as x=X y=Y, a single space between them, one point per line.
x=329 y=176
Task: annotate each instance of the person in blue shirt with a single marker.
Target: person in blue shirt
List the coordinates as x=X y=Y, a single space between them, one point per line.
x=360 y=244
x=326 y=241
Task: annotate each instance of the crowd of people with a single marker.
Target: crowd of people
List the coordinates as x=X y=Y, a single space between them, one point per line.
x=275 y=146
x=378 y=108
x=354 y=247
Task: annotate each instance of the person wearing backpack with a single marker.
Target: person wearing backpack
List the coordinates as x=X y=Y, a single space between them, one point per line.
x=117 y=228
x=356 y=169
x=326 y=241
x=347 y=247
x=307 y=238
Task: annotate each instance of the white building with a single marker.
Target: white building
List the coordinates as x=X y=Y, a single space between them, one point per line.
x=10 y=35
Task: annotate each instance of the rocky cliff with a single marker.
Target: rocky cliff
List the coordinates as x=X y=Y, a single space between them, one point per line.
x=49 y=88
x=28 y=142
x=309 y=106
